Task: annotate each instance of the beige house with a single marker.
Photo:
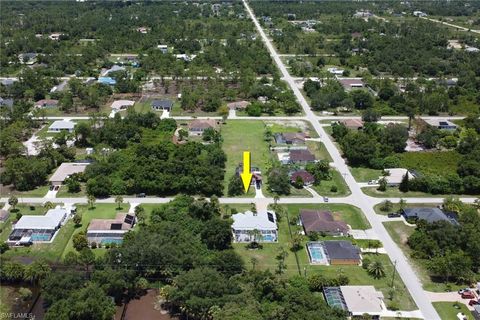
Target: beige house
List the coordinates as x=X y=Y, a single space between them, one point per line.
x=65 y=170
x=198 y=126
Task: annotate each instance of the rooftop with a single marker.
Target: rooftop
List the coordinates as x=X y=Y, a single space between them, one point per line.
x=162 y=103
x=50 y=220
x=119 y=104
x=362 y=299
x=123 y=221
x=321 y=221
x=301 y=155
x=249 y=221
x=67 y=169
x=62 y=125
x=352 y=123
x=202 y=124
x=341 y=249
x=432 y=214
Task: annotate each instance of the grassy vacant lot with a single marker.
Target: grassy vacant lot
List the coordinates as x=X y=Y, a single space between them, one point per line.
x=324 y=188
x=345 y=212
x=49 y=251
x=400 y=232
x=239 y=136
x=319 y=150
x=365 y=174
x=63 y=192
x=447 y=310
x=430 y=162
x=100 y=211
x=37 y=192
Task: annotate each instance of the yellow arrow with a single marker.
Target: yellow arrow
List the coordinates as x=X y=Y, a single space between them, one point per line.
x=246 y=175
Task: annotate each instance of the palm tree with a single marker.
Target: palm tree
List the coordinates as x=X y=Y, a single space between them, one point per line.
x=402 y=203
x=255 y=235
x=119 y=201
x=48 y=205
x=376 y=270
x=91 y=202
x=276 y=198
x=13 y=201
x=254 y=262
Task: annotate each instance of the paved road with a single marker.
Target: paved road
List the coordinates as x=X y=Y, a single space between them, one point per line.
x=404 y=269
x=451 y=25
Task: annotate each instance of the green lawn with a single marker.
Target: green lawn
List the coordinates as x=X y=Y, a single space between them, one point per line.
x=324 y=188
x=63 y=192
x=101 y=211
x=345 y=212
x=266 y=256
x=319 y=150
x=37 y=192
x=447 y=310
x=400 y=232
x=430 y=162
x=365 y=174
x=239 y=136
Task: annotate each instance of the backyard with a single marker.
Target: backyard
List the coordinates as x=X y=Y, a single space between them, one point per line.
x=447 y=310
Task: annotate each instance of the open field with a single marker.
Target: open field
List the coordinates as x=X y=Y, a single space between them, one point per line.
x=319 y=150
x=393 y=192
x=239 y=136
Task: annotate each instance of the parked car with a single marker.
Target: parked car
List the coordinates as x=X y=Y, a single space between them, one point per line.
x=141 y=195
x=473 y=302
x=394 y=215
x=468 y=295
x=373 y=182
x=325 y=199
x=463 y=290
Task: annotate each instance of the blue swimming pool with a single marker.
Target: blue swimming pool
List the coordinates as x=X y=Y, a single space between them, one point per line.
x=268 y=238
x=40 y=237
x=315 y=250
x=110 y=241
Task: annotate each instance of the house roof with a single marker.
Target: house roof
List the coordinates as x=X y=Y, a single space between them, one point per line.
x=123 y=221
x=301 y=155
x=162 y=104
x=265 y=220
x=429 y=214
x=107 y=80
x=238 y=104
x=440 y=123
x=349 y=83
x=122 y=103
x=306 y=176
x=114 y=68
x=62 y=125
x=67 y=169
x=341 y=249
x=48 y=102
x=362 y=299
x=202 y=124
x=290 y=136
x=321 y=221
x=352 y=123
x=50 y=220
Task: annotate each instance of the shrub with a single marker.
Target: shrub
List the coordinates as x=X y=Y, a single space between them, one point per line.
x=333 y=189
x=93 y=245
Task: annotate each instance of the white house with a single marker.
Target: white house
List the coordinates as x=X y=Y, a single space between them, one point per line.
x=30 y=229
x=121 y=104
x=245 y=223
x=65 y=170
x=61 y=125
x=336 y=71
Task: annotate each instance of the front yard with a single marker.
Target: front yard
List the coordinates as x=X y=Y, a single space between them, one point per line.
x=447 y=310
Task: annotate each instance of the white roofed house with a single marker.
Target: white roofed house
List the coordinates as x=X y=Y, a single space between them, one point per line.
x=32 y=228
x=62 y=125
x=65 y=170
x=356 y=300
x=245 y=226
x=122 y=104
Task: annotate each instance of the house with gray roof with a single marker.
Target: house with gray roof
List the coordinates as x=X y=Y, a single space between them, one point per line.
x=158 y=105
x=430 y=215
x=341 y=252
